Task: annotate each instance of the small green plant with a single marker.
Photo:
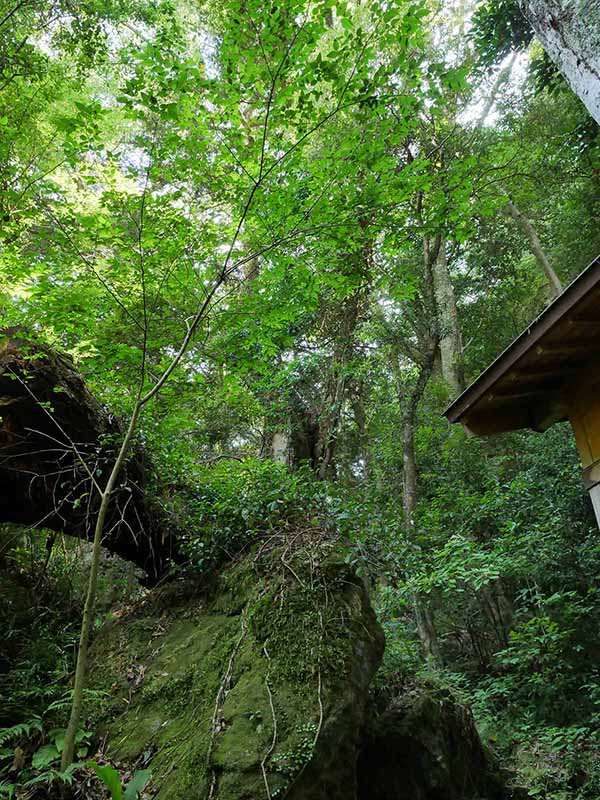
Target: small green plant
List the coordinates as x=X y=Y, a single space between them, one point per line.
x=290 y=762
x=112 y=780
x=37 y=750
x=235 y=502
x=47 y=778
x=7 y=789
x=21 y=730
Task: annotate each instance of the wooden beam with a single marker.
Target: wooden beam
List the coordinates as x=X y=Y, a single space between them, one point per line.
x=584 y=348
x=548 y=412
x=515 y=392
x=541 y=375
x=584 y=322
x=486 y=423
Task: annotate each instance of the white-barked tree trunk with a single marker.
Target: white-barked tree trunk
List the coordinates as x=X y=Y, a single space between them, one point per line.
x=569 y=31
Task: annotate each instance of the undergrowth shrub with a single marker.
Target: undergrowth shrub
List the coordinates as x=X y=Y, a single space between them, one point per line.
x=42 y=595
x=232 y=504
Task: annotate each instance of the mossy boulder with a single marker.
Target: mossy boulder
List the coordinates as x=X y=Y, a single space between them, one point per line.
x=425 y=746
x=256 y=688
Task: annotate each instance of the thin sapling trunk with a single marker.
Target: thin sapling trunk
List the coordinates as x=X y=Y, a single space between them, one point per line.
x=68 y=752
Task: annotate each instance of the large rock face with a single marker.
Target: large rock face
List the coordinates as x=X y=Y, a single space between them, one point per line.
x=258 y=687
x=255 y=689
x=425 y=746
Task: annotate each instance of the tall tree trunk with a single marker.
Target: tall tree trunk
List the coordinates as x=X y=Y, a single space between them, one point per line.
x=68 y=752
x=330 y=416
x=569 y=31
x=304 y=433
x=536 y=247
x=448 y=322
x=360 y=418
x=280 y=447
x=337 y=384
x=423 y=615
x=276 y=440
x=502 y=78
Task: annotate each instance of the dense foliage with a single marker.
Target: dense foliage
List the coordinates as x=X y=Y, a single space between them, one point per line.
x=310 y=200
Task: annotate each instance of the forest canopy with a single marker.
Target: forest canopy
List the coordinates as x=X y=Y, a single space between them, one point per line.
x=272 y=241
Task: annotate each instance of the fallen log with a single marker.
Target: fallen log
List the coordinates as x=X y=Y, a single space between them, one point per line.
x=56 y=439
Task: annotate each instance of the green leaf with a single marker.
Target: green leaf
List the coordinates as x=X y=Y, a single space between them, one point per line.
x=44 y=756
x=136 y=784
x=109 y=777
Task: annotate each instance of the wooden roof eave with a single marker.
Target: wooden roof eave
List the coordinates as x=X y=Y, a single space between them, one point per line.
x=520 y=389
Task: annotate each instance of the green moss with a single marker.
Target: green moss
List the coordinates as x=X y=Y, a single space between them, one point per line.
x=262 y=644
x=236 y=586
x=305 y=633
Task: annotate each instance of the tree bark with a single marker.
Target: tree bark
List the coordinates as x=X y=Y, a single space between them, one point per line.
x=338 y=379
x=569 y=31
x=423 y=615
x=536 y=247
x=280 y=448
x=329 y=419
x=49 y=424
x=450 y=338
x=357 y=389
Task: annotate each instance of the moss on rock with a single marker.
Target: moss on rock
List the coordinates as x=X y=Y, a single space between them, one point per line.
x=257 y=689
